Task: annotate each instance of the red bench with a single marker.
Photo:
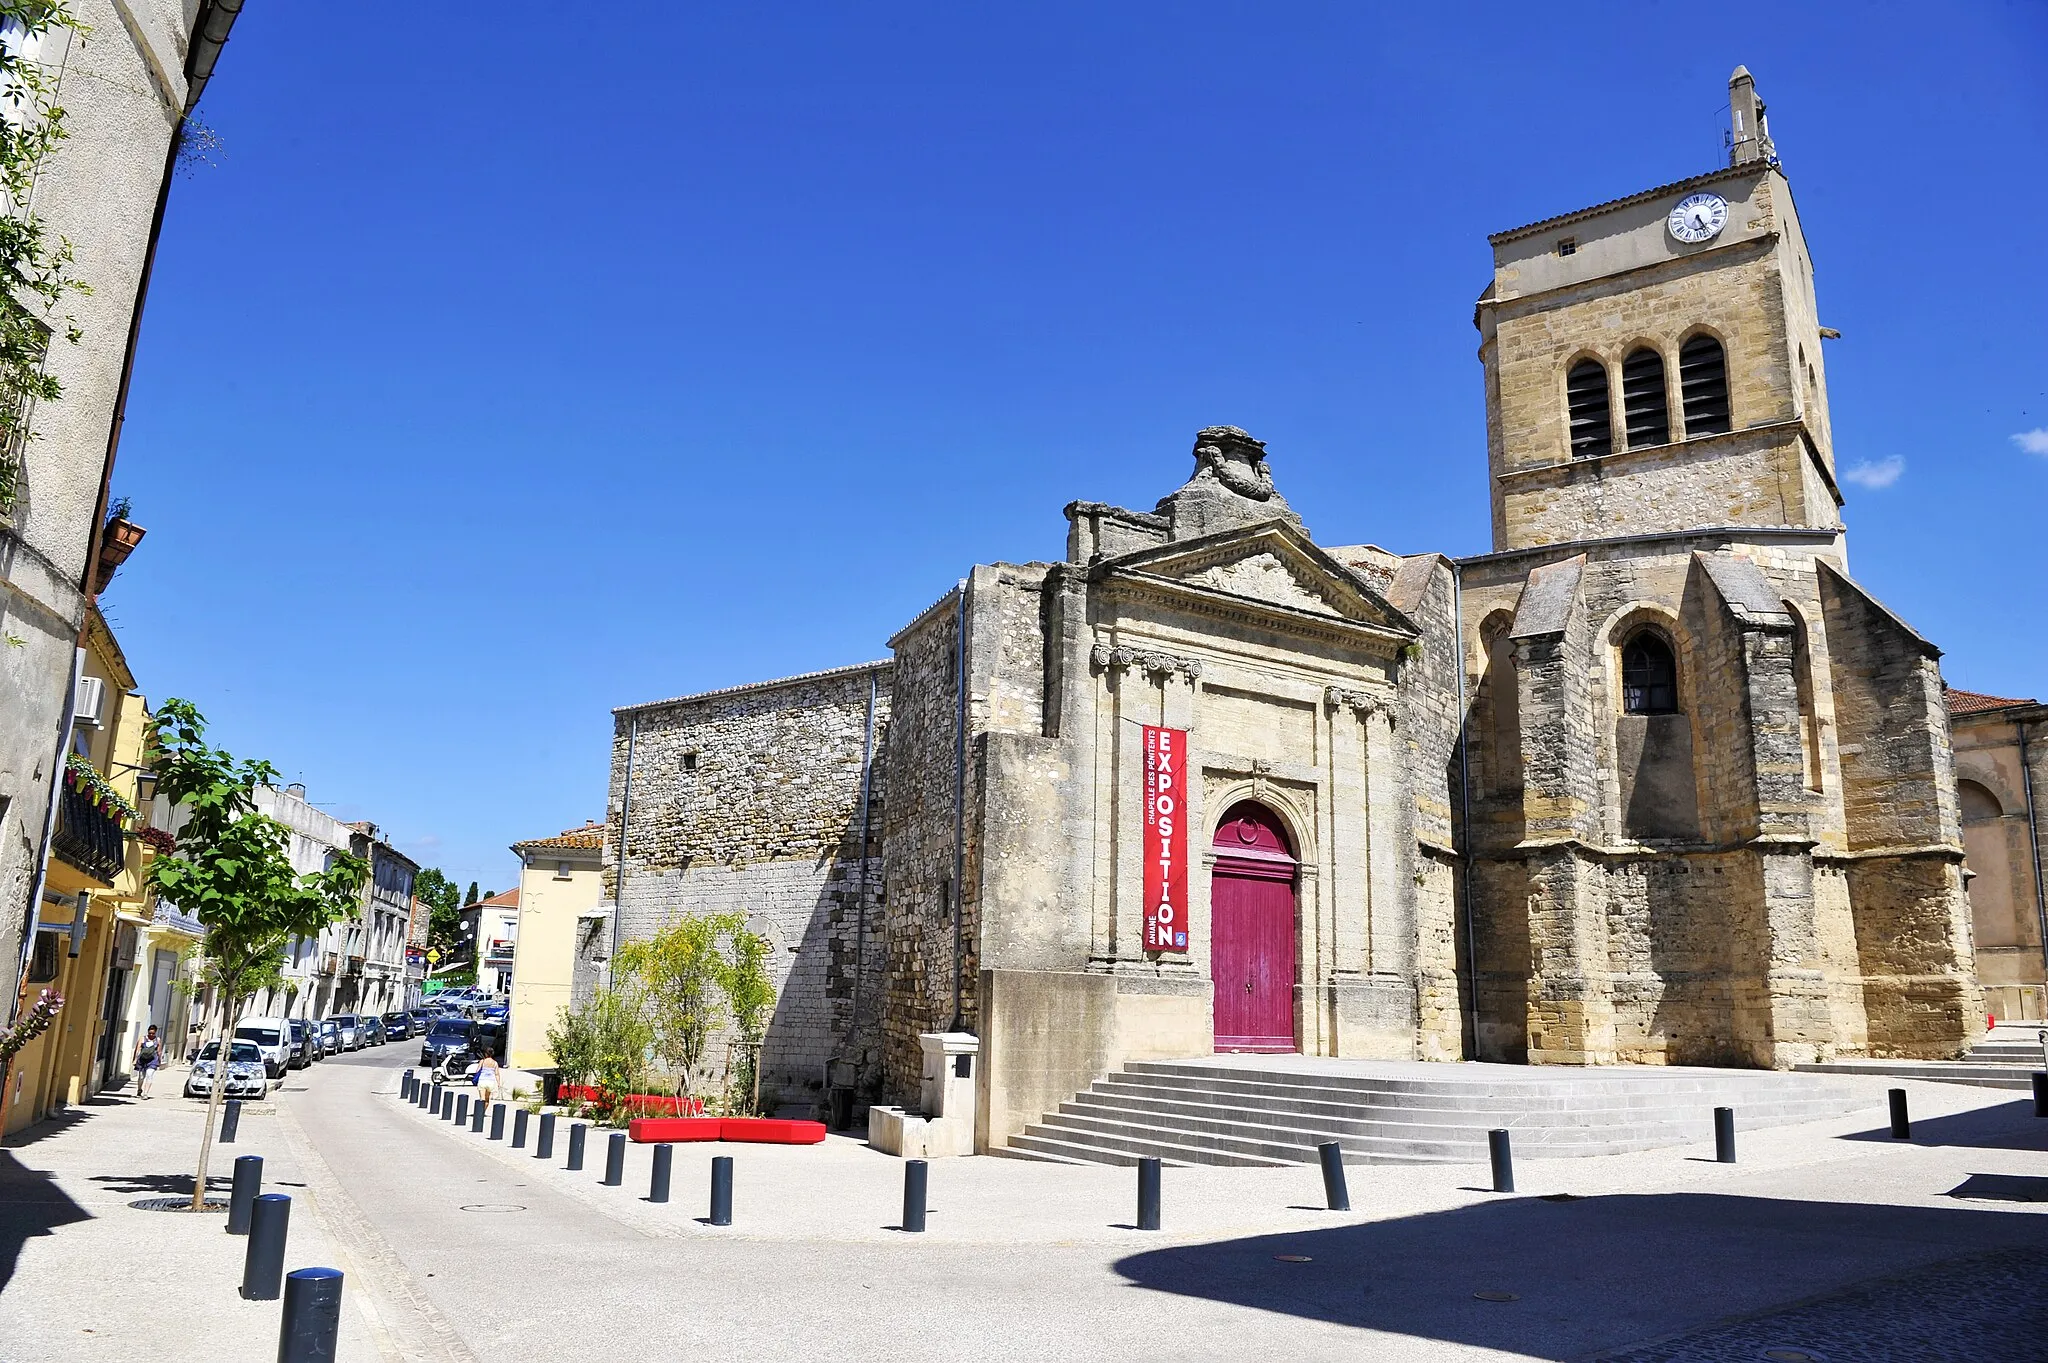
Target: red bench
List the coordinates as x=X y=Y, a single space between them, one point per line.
x=757 y=1130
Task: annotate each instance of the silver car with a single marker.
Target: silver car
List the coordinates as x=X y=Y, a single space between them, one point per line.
x=351 y=1033
x=247 y=1076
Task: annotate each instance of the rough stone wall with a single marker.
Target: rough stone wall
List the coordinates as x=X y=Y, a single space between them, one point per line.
x=749 y=800
x=918 y=847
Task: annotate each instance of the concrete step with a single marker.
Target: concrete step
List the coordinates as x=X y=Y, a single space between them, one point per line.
x=1127 y=1150
x=1564 y=1095
x=1037 y=1156
x=1932 y=1071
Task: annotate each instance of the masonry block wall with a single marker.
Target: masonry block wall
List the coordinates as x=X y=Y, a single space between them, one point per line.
x=750 y=800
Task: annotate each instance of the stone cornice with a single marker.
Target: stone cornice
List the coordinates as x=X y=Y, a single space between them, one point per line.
x=1127 y=584
x=1363 y=703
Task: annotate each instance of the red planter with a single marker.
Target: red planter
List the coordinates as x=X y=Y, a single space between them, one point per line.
x=652 y=1104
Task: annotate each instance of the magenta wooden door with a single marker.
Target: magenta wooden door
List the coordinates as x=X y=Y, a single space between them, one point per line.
x=1251 y=917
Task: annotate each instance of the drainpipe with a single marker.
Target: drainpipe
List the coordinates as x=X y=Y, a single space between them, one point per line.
x=959 y=1022
x=625 y=822
x=2034 y=844
x=1465 y=801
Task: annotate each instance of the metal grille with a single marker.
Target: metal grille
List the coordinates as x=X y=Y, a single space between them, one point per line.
x=1649 y=676
x=1643 y=408
x=1585 y=393
x=1703 y=386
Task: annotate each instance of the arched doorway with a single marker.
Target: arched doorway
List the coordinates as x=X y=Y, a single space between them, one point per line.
x=1251 y=927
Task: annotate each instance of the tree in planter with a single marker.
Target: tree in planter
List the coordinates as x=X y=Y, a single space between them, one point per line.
x=750 y=995
x=231 y=872
x=697 y=975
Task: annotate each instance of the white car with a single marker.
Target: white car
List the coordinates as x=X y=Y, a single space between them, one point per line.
x=246 y=1077
x=272 y=1037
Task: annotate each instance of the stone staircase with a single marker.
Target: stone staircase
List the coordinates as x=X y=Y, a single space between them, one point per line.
x=2006 y=1058
x=1275 y=1110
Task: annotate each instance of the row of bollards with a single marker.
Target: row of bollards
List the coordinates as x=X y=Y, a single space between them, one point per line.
x=310 y=1329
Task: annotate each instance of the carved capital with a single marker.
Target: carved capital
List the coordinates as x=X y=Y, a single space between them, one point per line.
x=1362 y=703
x=1151 y=662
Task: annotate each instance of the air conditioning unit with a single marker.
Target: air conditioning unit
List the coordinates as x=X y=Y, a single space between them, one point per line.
x=89 y=707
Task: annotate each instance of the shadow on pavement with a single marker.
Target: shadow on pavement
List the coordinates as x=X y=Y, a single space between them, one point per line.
x=1590 y=1274
x=31 y=1204
x=159 y=1185
x=2006 y=1126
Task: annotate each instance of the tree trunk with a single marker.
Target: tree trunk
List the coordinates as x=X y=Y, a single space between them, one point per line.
x=220 y=1086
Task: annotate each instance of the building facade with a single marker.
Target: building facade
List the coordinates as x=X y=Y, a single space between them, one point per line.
x=2001 y=787
x=1653 y=781
x=560 y=884
x=126 y=84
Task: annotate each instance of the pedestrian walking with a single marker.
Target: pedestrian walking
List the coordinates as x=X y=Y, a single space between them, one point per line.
x=486 y=1078
x=148 y=1055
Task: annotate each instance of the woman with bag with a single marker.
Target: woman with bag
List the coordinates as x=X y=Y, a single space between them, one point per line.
x=148 y=1055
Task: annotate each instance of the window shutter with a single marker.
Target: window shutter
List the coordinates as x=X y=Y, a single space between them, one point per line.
x=1643 y=408
x=1703 y=386
x=1585 y=389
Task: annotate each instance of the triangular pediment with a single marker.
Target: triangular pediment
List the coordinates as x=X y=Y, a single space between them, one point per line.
x=1272 y=564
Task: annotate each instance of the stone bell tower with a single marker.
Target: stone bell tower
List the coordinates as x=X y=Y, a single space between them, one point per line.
x=1653 y=363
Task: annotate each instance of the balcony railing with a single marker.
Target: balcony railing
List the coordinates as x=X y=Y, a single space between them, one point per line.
x=88 y=839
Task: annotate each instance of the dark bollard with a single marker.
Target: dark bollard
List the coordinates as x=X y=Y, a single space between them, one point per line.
x=1724 y=1134
x=248 y=1183
x=434 y=1098
x=419 y=1093
x=476 y=1115
x=2041 y=1093
x=916 y=1175
x=405 y=1086
x=577 y=1131
x=544 y=1146
x=1902 y=1126
x=664 y=1166
x=230 y=1121
x=1334 y=1191
x=1503 y=1158
x=721 y=1190
x=1148 y=1193
x=519 y=1120
x=497 y=1122
x=615 y=1160
x=462 y=1109
x=312 y=1316
x=263 y=1261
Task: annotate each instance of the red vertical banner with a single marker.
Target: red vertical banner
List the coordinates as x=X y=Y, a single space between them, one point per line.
x=1166 y=840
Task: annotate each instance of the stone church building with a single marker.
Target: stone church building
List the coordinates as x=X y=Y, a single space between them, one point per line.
x=1654 y=781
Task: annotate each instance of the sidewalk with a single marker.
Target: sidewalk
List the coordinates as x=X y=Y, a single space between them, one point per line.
x=85 y=1275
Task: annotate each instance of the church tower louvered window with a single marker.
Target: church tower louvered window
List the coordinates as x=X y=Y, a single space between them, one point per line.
x=1703 y=386
x=1585 y=392
x=1642 y=399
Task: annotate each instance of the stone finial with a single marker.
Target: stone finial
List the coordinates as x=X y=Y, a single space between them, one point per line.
x=1231 y=486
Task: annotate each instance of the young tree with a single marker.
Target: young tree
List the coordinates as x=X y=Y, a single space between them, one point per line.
x=695 y=975
x=231 y=872
x=443 y=901
x=472 y=897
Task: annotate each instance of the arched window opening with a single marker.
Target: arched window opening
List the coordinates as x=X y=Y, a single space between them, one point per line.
x=1703 y=387
x=1643 y=407
x=1501 y=693
x=1649 y=676
x=1809 y=718
x=1979 y=805
x=1585 y=391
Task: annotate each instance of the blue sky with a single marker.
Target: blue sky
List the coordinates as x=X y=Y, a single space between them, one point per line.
x=496 y=374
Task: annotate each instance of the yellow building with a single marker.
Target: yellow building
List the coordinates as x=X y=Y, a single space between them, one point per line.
x=559 y=887
x=94 y=928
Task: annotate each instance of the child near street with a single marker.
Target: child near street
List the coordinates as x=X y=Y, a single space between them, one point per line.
x=148 y=1055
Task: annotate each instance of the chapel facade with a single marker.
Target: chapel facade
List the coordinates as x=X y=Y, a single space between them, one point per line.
x=1654 y=781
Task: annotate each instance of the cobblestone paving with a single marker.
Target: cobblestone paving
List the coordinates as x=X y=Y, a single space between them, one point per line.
x=1972 y=1310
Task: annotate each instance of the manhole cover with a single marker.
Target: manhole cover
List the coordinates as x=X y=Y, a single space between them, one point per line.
x=176 y=1204
x=1294 y=1258
x=1498 y=1296
x=1786 y=1355
x=493 y=1207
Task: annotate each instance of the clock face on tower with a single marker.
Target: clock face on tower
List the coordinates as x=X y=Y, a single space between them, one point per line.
x=1698 y=218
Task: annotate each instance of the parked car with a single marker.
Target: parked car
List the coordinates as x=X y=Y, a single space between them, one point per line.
x=421 y=1016
x=445 y=1036
x=272 y=1037
x=246 y=1077
x=351 y=1031
x=330 y=1037
x=305 y=1043
x=371 y=1026
x=398 y=1026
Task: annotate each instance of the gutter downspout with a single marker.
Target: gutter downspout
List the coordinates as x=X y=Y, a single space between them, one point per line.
x=2034 y=843
x=1465 y=805
x=625 y=822
x=959 y=1022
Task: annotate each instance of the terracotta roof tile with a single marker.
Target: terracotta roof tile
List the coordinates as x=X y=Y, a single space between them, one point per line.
x=1976 y=702
x=504 y=899
x=589 y=838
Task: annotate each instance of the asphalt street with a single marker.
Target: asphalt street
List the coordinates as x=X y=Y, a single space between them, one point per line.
x=466 y=1250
